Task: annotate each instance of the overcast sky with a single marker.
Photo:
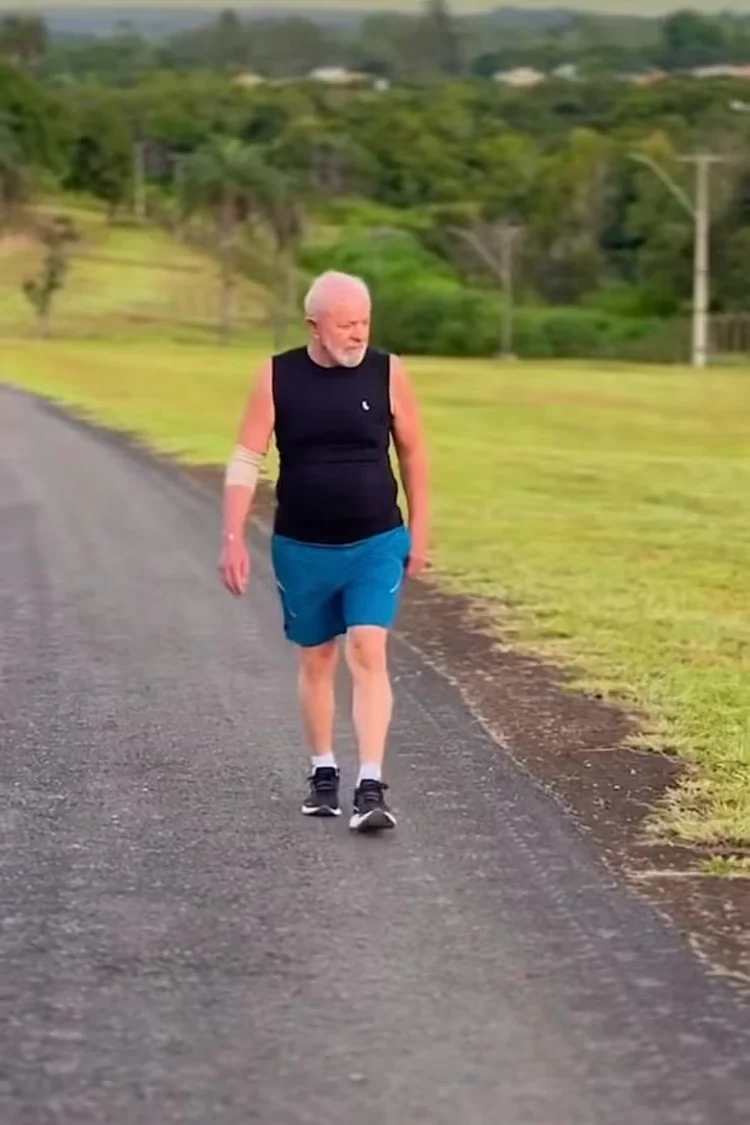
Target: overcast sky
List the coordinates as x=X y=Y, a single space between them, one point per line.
x=641 y=7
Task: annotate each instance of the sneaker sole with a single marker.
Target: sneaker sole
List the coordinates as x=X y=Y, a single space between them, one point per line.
x=322 y=810
x=375 y=821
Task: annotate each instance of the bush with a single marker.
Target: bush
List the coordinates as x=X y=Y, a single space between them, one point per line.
x=421 y=308
x=575 y=333
x=447 y=320
x=437 y=319
x=385 y=258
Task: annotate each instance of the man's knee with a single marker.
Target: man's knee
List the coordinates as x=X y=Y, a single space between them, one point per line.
x=319 y=663
x=367 y=650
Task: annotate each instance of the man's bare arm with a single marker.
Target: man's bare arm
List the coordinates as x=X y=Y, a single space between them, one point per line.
x=411 y=449
x=253 y=441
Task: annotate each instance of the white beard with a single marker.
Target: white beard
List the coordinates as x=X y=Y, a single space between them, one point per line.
x=348 y=359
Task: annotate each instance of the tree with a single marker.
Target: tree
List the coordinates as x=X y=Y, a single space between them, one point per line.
x=572 y=212
x=102 y=158
x=23 y=39
x=37 y=119
x=690 y=39
x=236 y=186
x=329 y=160
x=385 y=44
x=441 y=35
x=278 y=206
x=662 y=230
x=510 y=169
x=14 y=175
x=57 y=235
x=229 y=39
x=218 y=179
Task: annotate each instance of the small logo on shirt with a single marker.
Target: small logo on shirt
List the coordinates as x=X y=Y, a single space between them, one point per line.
x=365 y=404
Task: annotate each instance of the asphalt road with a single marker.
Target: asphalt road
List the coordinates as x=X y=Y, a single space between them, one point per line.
x=178 y=944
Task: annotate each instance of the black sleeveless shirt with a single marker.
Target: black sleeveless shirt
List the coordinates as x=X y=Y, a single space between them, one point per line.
x=333 y=431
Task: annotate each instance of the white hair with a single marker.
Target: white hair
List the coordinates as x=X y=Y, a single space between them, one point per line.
x=328 y=285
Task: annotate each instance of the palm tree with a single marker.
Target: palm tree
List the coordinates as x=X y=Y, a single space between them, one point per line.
x=278 y=208
x=237 y=186
x=218 y=178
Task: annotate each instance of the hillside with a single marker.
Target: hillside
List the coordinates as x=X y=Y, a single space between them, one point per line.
x=123 y=280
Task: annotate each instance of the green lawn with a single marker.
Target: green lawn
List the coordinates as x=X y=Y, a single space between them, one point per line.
x=603 y=510
x=123 y=280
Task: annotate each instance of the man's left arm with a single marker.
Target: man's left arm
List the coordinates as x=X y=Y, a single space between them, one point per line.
x=411 y=449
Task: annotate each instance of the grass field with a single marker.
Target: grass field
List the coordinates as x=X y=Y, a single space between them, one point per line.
x=603 y=510
x=123 y=280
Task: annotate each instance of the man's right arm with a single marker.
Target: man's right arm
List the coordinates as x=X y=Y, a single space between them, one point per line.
x=243 y=469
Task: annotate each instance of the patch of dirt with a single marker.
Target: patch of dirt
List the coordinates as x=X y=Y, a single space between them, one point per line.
x=575 y=745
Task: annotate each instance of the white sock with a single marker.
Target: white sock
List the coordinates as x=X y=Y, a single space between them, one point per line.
x=324 y=762
x=369 y=772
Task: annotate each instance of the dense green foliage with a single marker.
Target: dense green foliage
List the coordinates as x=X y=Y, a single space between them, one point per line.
x=400 y=45
x=420 y=307
x=417 y=184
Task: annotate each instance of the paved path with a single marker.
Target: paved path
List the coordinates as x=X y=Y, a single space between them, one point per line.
x=179 y=945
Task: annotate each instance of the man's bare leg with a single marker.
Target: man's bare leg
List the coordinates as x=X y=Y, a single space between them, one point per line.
x=316 y=690
x=316 y=687
x=367 y=657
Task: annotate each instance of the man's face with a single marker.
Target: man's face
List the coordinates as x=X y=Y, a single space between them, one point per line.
x=344 y=329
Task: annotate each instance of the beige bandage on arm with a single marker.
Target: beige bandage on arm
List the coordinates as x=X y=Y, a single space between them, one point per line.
x=243 y=468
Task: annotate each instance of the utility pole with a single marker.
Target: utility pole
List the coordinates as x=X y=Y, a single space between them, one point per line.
x=701 y=265
x=700 y=212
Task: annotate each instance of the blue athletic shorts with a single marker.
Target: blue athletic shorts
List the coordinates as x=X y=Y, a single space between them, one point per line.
x=327 y=590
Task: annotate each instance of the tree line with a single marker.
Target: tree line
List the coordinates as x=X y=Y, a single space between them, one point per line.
x=435 y=41
x=438 y=191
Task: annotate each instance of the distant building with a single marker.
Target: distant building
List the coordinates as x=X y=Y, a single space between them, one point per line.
x=646 y=78
x=722 y=70
x=248 y=80
x=342 y=76
x=521 y=77
x=568 y=72
x=338 y=76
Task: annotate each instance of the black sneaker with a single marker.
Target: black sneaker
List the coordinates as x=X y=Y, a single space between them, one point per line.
x=323 y=799
x=371 y=813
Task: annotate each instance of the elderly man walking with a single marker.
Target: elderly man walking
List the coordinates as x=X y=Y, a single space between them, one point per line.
x=340 y=547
